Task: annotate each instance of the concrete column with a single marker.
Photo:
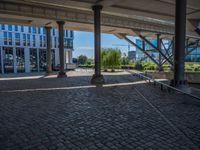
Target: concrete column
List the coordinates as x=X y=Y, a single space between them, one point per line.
x=1 y=55
x=160 y=56
x=61 y=48
x=179 y=54
x=38 y=59
x=49 y=53
x=14 y=60
x=97 y=77
x=27 y=59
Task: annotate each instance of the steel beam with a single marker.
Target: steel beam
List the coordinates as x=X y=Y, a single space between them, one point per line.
x=134 y=44
x=167 y=49
x=190 y=51
x=153 y=46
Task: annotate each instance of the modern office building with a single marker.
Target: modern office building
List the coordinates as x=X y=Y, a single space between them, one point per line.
x=23 y=48
x=132 y=55
x=141 y=56
x=194 y=56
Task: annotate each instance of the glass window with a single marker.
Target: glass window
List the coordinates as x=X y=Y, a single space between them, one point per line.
x=34 y=30
x=29 y=29
x=44 y=31
x=39 y=30
x=10 y=38
x=16 y=28
x=65 y=42
x=55 y=42
x=28 y=40
x=40 y=40
x=66 y=33
x=71 y=34
x=5 y=35
x=20 y=58
x=22 y=28
x=71 y=43
x=44 y=41
x=42 y=60
x=53 y=31
x=24 y=39
x=33 y=60
x=34 y=41
x=9 y=27
x=3 y=27
x=17 y=39
x=68 y=43
x=8 y=60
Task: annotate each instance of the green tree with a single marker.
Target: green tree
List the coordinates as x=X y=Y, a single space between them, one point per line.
x=110 y=58
x=90 y=62
x=82 y=59
x=124 y=61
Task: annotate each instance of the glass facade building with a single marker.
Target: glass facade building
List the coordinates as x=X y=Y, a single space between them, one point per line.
x=194 y=56
x=23 y=48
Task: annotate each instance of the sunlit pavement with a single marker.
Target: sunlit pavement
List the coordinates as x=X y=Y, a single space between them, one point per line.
x=46 y=112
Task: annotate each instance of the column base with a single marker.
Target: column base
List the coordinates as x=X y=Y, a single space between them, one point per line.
x=61 y=74
x=97 y=79
x=182 y=85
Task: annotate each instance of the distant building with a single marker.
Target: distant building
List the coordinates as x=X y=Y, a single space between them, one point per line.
x=141 y=56
x=132 y=55
x=194 y=56
x=23 y=48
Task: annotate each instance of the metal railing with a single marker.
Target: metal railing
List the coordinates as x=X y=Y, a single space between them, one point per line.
x=162 y=85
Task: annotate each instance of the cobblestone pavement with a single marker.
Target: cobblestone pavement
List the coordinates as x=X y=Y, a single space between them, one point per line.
x=54 y=115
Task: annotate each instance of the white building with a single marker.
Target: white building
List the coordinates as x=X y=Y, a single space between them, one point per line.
x=23 y=48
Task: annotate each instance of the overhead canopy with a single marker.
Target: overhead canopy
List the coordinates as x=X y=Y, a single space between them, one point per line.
x=156 y=12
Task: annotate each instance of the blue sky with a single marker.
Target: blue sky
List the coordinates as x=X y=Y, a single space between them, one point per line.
x=84 y=43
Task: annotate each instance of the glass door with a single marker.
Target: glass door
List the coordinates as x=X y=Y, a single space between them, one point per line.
x=33 y=60
x=8 y=62
x=43 y=60
x=20 y=60
x=53 y=58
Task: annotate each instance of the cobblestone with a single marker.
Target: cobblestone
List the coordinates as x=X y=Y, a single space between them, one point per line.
x=113 y=117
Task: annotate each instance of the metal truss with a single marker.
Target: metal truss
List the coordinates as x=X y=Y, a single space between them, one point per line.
x=141 y=49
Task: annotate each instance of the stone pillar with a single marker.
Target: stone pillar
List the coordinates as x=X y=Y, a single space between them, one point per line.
x=97 y=77
x=49 y=54
x=160 y=56
x=2 y=62
x=179 y=53
x=38 y=59
x=27 y=59
x=14 y=60
x=62 y=72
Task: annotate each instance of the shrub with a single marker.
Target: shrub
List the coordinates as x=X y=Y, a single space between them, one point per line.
x=138 y=65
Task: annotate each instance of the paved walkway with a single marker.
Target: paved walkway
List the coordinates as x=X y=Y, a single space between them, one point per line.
x=70 y=113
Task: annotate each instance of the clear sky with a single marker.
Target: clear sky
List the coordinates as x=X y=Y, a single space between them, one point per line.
x=84 y=43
